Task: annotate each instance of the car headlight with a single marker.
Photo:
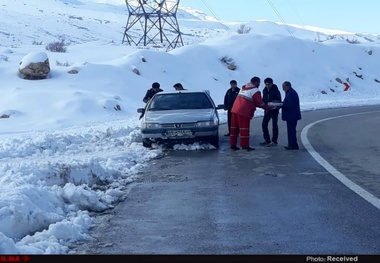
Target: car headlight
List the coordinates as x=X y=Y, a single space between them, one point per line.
x=204 y=123
x=148 y=125
x=216 y=120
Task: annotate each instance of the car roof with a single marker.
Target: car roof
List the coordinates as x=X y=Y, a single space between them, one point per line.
x=185 y=91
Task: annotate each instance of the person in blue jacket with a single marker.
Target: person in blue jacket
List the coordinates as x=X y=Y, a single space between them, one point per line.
x=291 y=113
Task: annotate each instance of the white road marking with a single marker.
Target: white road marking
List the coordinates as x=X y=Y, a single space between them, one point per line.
x=334 y=172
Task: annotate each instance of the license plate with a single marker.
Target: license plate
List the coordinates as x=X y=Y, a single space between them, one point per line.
x=180 y=133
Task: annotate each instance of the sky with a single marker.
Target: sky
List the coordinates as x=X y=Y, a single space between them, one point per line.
x=338 y=14
x=70 y=144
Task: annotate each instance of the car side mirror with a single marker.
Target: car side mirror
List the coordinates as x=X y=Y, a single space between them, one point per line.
x=140 y=110
x=220 y=106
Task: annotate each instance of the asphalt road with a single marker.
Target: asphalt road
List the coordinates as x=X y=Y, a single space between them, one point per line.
x=321 y=199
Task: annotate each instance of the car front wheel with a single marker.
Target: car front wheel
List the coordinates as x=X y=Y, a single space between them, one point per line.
x=147 y=143
x=214 y=141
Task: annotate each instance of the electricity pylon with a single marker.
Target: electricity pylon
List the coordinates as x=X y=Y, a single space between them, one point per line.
x=157 y=22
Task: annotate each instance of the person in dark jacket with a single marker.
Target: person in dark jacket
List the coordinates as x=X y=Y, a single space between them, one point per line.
x=229 y=99
x=150 y=92
x=270 y=94
x=178 y=86
x=291 y=113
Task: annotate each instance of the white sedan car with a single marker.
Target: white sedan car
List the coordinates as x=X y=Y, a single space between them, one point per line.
x=180 y=117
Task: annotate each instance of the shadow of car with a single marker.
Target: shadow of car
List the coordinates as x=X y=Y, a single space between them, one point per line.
x=180 y=117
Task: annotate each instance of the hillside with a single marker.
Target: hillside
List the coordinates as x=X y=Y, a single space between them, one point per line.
x=25 y=22
x=317 y=62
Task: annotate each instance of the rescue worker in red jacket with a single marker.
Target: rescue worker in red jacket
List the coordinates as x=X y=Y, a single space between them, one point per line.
x=243 y=110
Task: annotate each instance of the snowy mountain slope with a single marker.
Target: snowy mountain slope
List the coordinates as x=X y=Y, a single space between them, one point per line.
x=66 y=152
x=25 y=22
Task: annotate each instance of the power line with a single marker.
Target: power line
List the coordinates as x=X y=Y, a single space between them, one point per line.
x=216 y=16
x=303 y=24
x=280 y=17
x=295 y=11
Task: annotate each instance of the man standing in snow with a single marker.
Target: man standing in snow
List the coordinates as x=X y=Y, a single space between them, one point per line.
x=243 y=111
x=229 y=99
x=291 y=113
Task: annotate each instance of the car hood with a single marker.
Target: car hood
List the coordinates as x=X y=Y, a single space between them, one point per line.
x=176 y=116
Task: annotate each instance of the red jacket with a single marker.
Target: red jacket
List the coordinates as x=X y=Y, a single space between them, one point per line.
x=247 y=100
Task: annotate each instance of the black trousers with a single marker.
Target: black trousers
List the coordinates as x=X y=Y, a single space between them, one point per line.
x=270 y=115
x=229 y=114
x=292 y=133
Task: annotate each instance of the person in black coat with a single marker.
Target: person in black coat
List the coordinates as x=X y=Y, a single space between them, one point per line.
x=291 y=113
x=270 y=94
x=229 y=99
x=178 y=86
x=150 y=92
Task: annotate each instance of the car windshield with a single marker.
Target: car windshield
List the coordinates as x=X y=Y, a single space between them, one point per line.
x=180 y=101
